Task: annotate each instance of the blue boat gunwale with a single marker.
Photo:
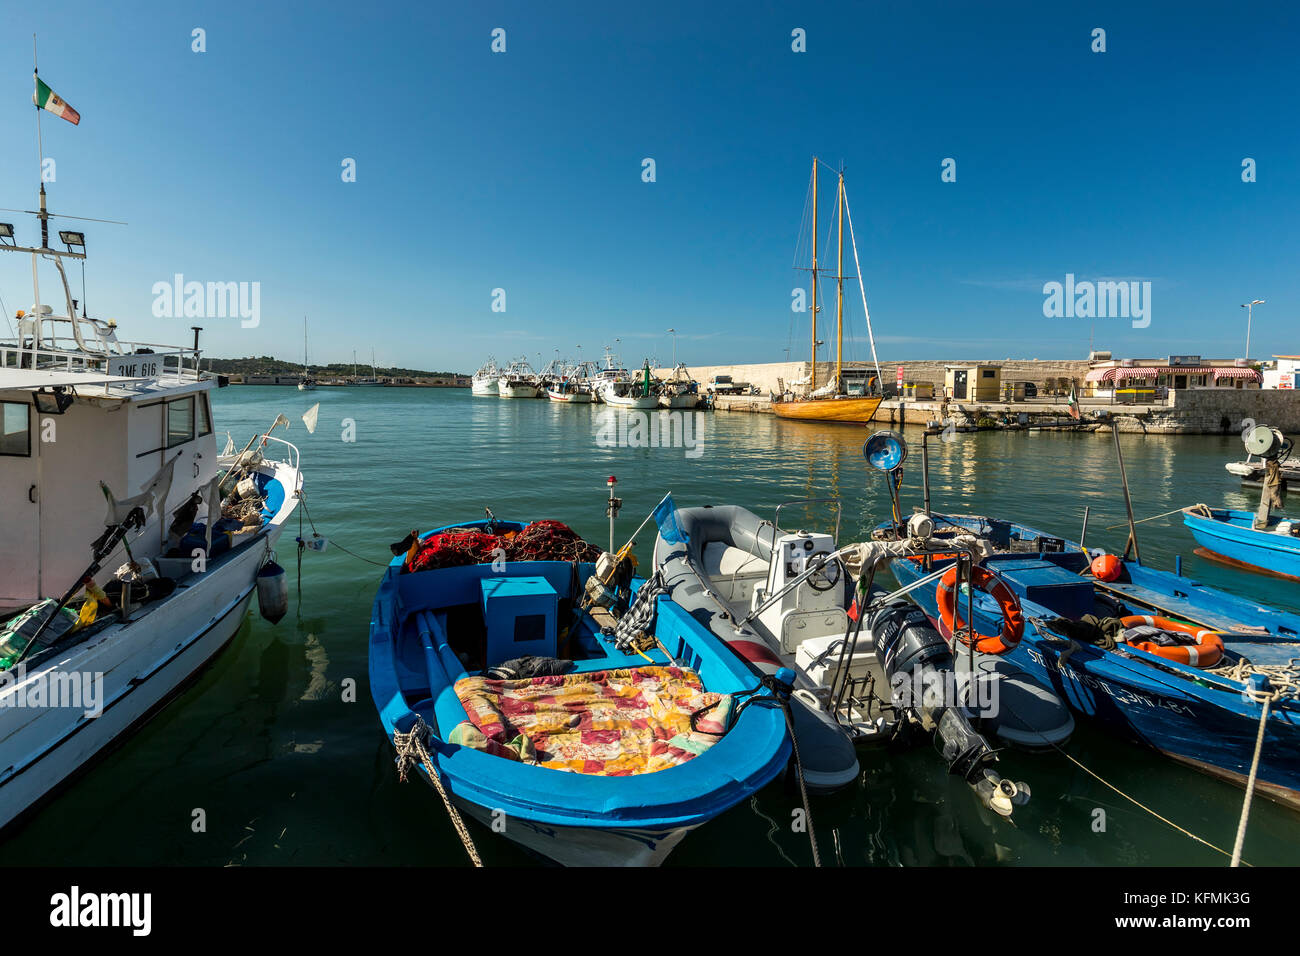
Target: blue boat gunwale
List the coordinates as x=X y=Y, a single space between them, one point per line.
x=1139 y=668
x=751 y=754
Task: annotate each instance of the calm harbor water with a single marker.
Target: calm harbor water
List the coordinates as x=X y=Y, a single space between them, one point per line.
x=288 y=772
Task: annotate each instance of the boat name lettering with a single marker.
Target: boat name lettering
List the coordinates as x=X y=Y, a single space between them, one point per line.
x=1122 y=694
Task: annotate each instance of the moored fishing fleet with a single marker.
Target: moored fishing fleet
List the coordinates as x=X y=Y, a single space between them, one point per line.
x=585 y=383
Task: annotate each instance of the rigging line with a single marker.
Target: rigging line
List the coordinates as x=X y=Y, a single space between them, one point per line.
x=1133 y=800
x=803 y=224
x=867 y=312
x=13 y=329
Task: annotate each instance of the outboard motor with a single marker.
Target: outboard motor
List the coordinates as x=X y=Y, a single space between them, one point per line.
x=920 y=669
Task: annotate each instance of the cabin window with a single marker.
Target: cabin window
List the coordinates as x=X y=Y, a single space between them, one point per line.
x=180 y=421
x=15 y=429
x=203 y=416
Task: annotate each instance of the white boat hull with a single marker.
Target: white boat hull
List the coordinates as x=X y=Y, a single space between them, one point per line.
x=622 y=401
x=483 y=388
x=579 y=846
x=679 y=401
x=142 y=665
x=571 y=398
x=517 y=391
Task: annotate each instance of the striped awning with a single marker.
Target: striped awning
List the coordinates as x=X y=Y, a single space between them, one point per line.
x=1234 y=371
x=1120 y=373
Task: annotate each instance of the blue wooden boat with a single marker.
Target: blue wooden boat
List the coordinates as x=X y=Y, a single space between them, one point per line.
x=420 y=622
x=1201 y=717
x=1231 y=537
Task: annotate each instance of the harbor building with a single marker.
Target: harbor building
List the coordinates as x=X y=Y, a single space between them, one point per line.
x=1147 y=380
x=978 y=382
x=1284 y=374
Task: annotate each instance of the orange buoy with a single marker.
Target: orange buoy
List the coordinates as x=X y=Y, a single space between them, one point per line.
x=1106 y=567
x=1207 y=651
x=1013 y=620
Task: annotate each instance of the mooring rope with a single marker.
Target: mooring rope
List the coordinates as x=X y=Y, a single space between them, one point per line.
x=302 y=500
x=410 y=751
x=1285 y=678
x=1265 y=698
x=1199 y=508
x=780 y=698
x=1133 y=800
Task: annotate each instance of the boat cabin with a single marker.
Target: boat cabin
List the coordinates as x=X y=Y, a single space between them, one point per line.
x=67 y=423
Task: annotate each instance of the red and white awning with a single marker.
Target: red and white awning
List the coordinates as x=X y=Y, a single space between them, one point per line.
x=1234 y=371
x=1120 y=373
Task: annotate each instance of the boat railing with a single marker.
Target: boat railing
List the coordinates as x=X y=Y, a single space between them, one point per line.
x=65 y=355
x=286 y=452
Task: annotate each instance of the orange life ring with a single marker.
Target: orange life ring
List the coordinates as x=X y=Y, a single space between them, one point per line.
x=1207 y=651
x=1013 y=620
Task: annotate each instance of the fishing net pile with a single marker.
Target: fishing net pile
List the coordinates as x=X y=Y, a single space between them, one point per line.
x=539 y=541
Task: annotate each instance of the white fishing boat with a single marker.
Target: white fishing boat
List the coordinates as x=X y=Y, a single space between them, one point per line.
x=126 y=563
x=612 y=373
x=484 y=381
x=637 y=392
x=571 y=387
x=679 y=391
x=305 y=382
x=518 y=381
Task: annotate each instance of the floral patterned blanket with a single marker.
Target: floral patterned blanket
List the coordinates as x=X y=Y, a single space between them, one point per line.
x=609 y=723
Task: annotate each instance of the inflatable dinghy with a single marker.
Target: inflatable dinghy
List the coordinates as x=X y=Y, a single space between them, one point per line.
x=715 y=576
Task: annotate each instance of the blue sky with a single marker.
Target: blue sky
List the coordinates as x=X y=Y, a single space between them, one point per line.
x=522 y=171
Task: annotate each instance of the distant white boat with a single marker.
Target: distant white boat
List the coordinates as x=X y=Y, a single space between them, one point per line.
x=305 y=382
x=518 y=381
x=630 y=393
x=680 y=391
x=484 y=381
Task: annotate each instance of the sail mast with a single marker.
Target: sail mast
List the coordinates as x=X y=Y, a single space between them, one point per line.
x=812 y=374
x=839 y=287
x=871 y=336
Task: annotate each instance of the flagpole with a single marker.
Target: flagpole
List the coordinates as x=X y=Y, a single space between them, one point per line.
x=45 y=229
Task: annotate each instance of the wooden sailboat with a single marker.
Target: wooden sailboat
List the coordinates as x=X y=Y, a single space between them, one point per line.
x=830 y=403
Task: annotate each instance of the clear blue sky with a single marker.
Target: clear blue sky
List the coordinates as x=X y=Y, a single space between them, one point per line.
x=522 y=171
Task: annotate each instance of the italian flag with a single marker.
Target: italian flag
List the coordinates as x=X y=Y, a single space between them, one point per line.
x=1073 y=404
x=46 y=99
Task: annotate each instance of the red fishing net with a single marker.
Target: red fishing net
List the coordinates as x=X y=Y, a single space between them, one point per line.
x=539 y=541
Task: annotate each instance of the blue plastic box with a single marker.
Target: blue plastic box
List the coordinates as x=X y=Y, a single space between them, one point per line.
x=520 y=613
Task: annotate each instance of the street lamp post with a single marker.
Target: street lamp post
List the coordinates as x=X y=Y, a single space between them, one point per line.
x=1249 y=307
x=674 y=334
